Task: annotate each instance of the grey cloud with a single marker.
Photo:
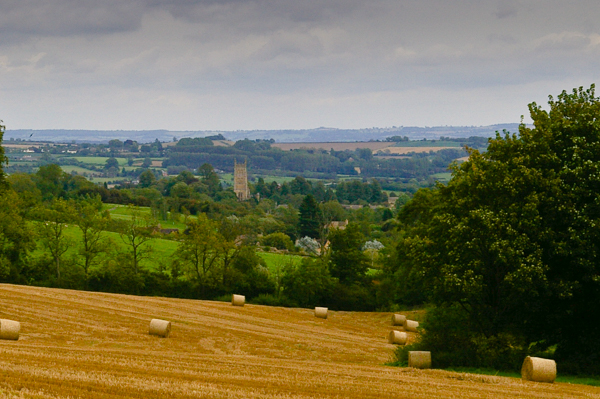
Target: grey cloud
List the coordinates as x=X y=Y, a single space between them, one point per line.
x=267 y=48
x=565 y=41
x=506 y=9
x=68 y=17
x=502 y=38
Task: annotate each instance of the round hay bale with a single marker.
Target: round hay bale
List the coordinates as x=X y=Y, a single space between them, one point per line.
x=419 y=359
x=9 y=329
x=411 y=325
x=398 y=319
x=538 y=369
x=397 y=337
x=321 y=313
x=161 y=328
x=238 y=300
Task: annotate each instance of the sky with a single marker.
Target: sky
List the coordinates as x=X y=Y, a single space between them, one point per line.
x=288 y=64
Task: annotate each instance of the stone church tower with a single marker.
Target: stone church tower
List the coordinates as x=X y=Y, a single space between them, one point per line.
x=240 y=181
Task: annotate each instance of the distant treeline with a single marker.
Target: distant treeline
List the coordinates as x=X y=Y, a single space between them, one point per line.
x=262 y=157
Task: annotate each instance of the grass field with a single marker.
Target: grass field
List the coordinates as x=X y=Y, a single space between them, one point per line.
x=100 y=160
x=71 y=168
x=443 y=177
x=278 y=261
x=77 y=344
x=163 y=250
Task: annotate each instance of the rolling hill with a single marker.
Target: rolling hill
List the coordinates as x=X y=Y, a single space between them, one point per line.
x=77 y=344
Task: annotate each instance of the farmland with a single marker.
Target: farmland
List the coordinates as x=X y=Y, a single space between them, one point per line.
x=406 y=150
x=94 y=345
x=337 y=146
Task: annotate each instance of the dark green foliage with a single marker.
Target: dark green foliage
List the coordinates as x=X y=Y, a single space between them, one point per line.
x=387 y=214
x=210 y=178
x=111 y=163
x=310 y=218
x=354 y=191
x=16 y=238
x=273 y=300
x=198 y=141
x=308 y=284
x=248 y=274
x=353 y=297
x=147 y=179
x=278 y=240
x=449 y=333
x=513 y=239
x=348 y=263
x=51 y=181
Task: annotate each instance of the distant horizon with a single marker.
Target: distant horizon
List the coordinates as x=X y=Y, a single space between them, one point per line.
x=321 y=134
x=265 y=130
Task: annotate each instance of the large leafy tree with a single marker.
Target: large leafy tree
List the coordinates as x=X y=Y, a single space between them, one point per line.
x=136 y=234
x=198 y=249
x=348 y=263
x=91 y=224
x=52 y=229
x=16 y=238
x=513 y=239
x=310 y=218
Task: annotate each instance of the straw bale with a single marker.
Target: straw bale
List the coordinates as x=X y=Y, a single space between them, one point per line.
x=398 y=319
x=419 y=359
x=397 y=337
x=161 y=328
x=9 y=329
x=538 y=369
x=411 y=325
x=321 y=313
x=238 y=300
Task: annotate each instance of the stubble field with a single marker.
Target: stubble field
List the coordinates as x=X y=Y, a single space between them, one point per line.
x=94 y=345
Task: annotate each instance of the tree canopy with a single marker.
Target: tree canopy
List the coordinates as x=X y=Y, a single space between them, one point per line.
x=512 y=241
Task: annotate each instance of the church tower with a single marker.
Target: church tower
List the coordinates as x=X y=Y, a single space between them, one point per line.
x=240 y=181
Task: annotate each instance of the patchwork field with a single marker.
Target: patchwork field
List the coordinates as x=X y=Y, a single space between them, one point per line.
x=407 y=150
x=337 y=146
x=94 y=345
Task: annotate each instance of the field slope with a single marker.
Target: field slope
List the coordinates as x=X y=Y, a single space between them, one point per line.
x=94 y=345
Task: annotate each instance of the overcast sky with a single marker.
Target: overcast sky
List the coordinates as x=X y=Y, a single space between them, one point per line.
x=279 y=64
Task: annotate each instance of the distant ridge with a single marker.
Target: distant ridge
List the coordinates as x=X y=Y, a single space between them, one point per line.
x=322 y=134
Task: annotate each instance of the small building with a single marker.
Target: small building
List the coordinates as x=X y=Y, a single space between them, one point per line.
x=340 y=225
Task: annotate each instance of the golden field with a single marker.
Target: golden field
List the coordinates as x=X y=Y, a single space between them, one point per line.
x=94 y=345
x=337 y=146
x=408 y=150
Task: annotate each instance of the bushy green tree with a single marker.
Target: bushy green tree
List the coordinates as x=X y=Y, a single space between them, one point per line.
x=92 y=224
x=50 y=180
x=136 y=234
x=52 y=226
x=198 y=249
x=16 y=238
x=348 y=262
x=310 y=218
x=308 y=284
x=513 y=241
x=147 y=178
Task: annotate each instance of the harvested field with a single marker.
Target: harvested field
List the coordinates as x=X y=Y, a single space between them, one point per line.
x=407 y=150
x=337 y=146
x=223 y=143
x=94 y=345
